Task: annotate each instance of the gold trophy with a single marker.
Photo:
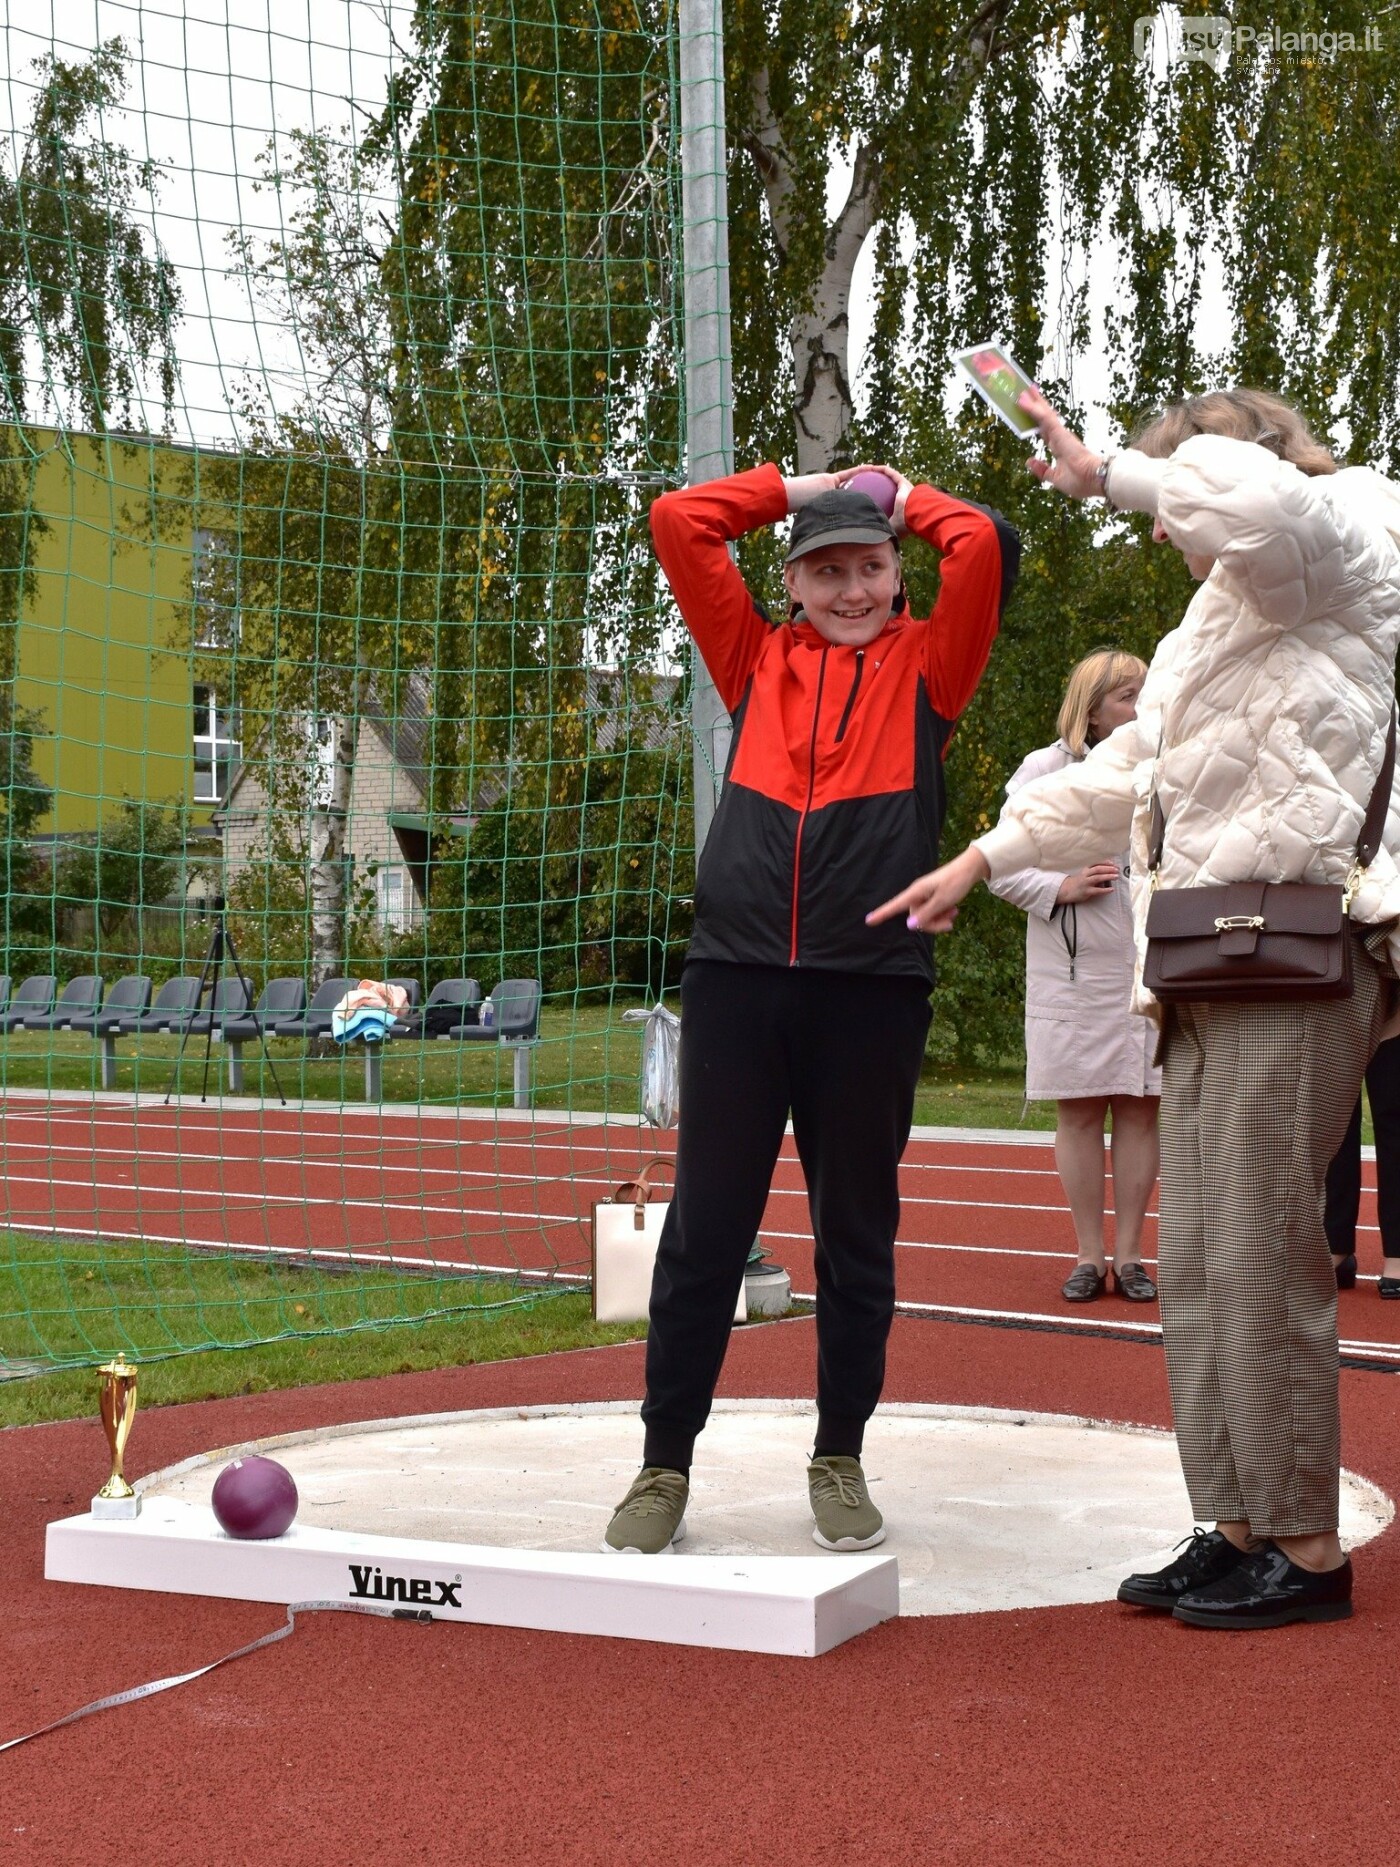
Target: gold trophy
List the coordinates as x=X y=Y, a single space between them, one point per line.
x=116 y=1499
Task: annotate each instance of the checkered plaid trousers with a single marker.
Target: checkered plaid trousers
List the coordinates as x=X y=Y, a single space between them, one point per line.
x=1256 y=1100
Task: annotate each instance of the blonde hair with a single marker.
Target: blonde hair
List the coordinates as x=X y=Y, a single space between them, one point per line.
x=1090 y=682
x=1243 y=415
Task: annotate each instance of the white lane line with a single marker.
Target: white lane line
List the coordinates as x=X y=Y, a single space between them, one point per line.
x=371 y=1260
x=191 y=1198
x=136 y=1192
x=456 y=1174
x=46 y=1144
x=259 y=1110
x=544 y=1139
x=288 y=1205
x=1380 y=1351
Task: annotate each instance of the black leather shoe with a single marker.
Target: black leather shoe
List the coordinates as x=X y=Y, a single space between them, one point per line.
x=1267 y=1590
x=1389 y=1287
x=1133 y=1283
x=1083 y=1285
x=1207 y=1557
x=1346 y=1272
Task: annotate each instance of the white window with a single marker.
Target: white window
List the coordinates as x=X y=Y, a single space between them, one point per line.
x=216 y=747
x=395 y=900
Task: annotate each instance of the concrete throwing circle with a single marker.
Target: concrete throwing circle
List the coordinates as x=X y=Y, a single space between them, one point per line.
x=985 y=1509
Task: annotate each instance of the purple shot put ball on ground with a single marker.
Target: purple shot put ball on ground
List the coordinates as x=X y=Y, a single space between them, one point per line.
x=254 y=1498
x=875 y=486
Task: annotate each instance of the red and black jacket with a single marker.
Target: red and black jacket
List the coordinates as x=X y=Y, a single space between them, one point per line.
x=833 y=794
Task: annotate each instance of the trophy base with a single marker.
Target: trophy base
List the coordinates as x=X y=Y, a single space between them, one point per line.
x=116 y=1509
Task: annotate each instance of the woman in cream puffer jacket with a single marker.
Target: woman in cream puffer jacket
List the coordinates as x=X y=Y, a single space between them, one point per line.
x=1262 y=724
x=1270 y=702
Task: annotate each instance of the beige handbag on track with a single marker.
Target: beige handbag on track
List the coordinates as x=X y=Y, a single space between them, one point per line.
x=626 y=1232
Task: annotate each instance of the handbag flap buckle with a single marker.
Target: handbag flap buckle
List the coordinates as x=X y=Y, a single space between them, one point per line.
x=1242 y=922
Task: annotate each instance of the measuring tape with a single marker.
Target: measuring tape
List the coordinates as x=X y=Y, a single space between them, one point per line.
x=267 y=1640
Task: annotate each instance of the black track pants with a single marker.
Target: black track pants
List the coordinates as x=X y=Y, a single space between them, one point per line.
x=841 y=1052
x=1343 y=1200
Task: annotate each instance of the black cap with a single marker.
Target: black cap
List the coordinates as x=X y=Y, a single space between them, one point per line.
x=839 y=518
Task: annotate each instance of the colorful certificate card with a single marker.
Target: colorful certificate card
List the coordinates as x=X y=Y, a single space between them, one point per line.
x=1000 y=381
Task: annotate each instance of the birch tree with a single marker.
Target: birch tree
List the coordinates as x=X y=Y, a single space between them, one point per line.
x=310 y=562
x=987 y=140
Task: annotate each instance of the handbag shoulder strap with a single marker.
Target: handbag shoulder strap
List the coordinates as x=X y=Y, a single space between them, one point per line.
x=1372 y=827
x=1156 y=834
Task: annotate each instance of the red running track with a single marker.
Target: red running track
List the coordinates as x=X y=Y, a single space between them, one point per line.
x=985 y=1224
x=1061 y=1737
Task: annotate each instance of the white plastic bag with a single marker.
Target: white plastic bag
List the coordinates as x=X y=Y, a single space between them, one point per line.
x=661 y=1064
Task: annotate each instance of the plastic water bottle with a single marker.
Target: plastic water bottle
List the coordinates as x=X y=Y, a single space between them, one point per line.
x=488 y=1012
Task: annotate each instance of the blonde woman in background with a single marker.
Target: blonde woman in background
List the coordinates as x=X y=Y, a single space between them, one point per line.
x=1086 y=1049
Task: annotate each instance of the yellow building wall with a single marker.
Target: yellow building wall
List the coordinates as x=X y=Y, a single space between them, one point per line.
x=103 y=644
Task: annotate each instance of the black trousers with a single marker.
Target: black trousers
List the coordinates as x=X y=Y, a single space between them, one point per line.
x=842 y=1053
x=1342 y=1200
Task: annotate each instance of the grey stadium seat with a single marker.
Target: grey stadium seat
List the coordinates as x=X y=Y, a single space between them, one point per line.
x=33 y=1000
x=79 y=997
x=315 y=1021
x=127 y=997
x=175 y=1004
x=230 y=1000
x=516 y=1007
x=279 y=998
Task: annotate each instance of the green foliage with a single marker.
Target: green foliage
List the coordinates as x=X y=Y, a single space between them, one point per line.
x=24 y=802
x=1278 y=171
x=573 y=875
x=452 y=519
x=76 y=275
x=135 y=861
x=536 y=407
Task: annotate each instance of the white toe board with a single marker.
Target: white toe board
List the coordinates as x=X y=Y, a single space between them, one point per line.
x=799 y=1605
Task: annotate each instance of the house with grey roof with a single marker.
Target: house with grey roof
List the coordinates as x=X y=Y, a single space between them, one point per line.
x=390 y=832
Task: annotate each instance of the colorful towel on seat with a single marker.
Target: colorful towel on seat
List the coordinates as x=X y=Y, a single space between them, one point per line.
x=367 y=1012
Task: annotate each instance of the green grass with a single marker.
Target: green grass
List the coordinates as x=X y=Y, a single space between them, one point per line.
x=65 y=1301
x=587 y=1059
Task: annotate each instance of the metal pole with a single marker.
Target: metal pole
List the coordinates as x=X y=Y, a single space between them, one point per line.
x=709 y=423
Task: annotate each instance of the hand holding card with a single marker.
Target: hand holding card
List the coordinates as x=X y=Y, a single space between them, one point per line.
x=1000 y=381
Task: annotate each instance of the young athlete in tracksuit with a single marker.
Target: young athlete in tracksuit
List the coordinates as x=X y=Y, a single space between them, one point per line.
x=833 y=796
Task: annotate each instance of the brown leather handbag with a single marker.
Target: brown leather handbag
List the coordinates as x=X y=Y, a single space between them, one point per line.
x=1253 y=942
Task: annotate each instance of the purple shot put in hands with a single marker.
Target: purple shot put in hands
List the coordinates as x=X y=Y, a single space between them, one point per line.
x=875 y=486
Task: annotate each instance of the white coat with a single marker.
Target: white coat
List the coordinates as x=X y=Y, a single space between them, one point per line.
x=1082 y=1036
x=1263 y=717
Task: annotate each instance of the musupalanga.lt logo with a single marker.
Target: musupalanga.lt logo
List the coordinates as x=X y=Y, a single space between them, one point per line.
x=1209 y=39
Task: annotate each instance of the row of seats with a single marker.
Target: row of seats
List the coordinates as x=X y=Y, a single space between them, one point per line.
x=452 y=1013
x=452 y=1010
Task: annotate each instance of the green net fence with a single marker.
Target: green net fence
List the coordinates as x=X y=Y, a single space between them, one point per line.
x=339 y=363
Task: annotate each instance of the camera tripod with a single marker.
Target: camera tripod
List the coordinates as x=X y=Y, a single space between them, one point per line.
x=221 y=943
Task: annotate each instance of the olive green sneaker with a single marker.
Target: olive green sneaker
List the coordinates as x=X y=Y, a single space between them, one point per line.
x=846 y=1519
x=651 y=1518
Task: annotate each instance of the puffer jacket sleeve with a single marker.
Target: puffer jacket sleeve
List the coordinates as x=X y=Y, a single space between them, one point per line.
x=1269 y=527
x=1034 y=891
x=1072 y=817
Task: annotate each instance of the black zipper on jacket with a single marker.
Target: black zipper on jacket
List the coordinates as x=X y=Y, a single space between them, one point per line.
x=851 y=697
x=811 y=787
